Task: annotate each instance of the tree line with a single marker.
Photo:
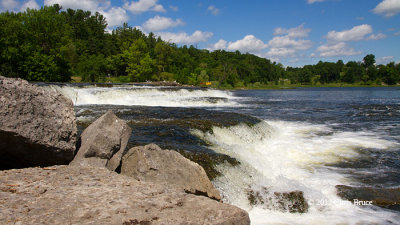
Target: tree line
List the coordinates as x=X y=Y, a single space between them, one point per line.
x=53 y=45
x=365 y=72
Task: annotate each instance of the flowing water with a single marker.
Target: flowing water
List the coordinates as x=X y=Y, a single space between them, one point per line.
x=307 y=140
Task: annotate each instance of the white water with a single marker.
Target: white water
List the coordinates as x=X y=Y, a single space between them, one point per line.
x=291 y=156
x=281 y=156
x=147 y=96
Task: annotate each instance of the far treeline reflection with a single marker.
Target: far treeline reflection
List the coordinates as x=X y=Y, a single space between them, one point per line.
x=58 y=46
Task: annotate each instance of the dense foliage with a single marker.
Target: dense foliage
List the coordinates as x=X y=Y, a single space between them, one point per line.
x=365 y=72
x=53 y=45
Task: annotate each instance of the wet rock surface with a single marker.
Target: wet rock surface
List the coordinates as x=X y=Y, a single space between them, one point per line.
x=37 y=127
x=152 y=164
x=95 y=195
x=293 y=202
x=103 y=142
x=383 y=197
x=170 y=128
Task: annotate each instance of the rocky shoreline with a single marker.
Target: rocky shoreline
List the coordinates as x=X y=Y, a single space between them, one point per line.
x=38 y=136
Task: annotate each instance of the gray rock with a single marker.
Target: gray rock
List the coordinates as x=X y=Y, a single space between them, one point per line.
x=37 y=127
x=95 y=195
x=103 y=142
x=152 y=164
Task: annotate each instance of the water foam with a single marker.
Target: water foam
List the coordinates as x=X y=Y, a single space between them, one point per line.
x=291 y=156
x=147 y=96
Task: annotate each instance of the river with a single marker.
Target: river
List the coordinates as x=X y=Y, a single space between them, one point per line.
x=306 y=139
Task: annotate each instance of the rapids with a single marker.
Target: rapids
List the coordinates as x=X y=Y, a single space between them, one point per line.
x=307 y=140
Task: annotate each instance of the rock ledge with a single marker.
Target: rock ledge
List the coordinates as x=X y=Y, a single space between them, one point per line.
x=95 y=195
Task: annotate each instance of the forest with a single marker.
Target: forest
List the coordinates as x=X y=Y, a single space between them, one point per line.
x=55 y=45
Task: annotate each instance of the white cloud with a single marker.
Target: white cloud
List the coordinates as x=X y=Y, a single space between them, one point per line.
x=397 y=34
x=174 y=8
x=287 y=44
x=9 y=4
x=90 y=5
x=221 y=44
x=385 y=60
x=336 y=49
x=313 y=1
x=184 y=38
x=356 y=33
x=32 y=4
x=277 y=53
x=337 y=41
x=248 y=44
x=388 y=8
x=115 y=16
x=158 y=23
x=142 y=6
x=215 y=11
x=376 y=36
x=296 y=32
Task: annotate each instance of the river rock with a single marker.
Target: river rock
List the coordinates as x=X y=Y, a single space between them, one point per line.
x=293 y=201
x=152 y=164
x=383 y=197
x=103 y=142
x=37 y=127
x=96 y=195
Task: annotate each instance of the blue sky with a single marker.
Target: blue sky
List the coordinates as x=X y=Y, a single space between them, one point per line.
x=292 y=32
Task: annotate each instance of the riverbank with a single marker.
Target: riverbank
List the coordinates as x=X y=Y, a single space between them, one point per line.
x=294 y=86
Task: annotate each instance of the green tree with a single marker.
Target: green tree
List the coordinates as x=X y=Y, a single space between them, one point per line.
x=369 y=60
x=146 y=68
x=92 y=68
x=353 y=72
x=12 y=50
x=140 y=65
x=202 y=77
x=47 y=35
x=163 y=55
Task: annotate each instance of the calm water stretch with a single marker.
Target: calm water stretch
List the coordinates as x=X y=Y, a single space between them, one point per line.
x=307 y=140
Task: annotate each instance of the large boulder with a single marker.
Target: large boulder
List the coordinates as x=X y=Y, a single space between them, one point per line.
x=37 y=127
x=152 y=164
x=103 y=142
x=95 y=195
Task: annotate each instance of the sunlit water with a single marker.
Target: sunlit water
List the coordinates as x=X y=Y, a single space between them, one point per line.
x=307 y=140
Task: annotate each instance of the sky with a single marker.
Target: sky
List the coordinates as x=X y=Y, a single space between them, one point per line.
x=291 y=32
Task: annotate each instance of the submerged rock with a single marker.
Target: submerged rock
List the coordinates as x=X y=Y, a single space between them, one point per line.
x=293 y=202
x=95 y=195
x=152 y=164
x=103 y=142
x=209 y=161
x=383 y=197
x=37 y=127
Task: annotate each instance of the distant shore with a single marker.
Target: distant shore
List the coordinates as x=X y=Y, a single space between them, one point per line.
x=294 y=86
x=215 y=85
